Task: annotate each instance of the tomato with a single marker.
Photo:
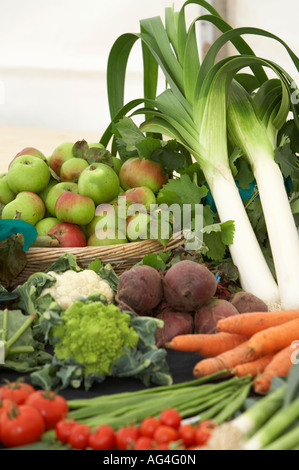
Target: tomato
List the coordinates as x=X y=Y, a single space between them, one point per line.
x=63 y=429
x=79 y=436
x=148 y=426
x=20 y=426
x=187 y=434
x=202 y=435
x=126 y=437
x=165 y=434
x=5 y=404
x=170 y=417
x=103 y=438
x=16 y=391
x=52 y=407
x=163 y=446
x=207 y=423
x=143 y=443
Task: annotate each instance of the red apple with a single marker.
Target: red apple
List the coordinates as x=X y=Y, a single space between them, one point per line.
x=74 y=208
x=69 y=235
x=136 y=172
x=60 y=154
x=141 y=195
x=71 y=169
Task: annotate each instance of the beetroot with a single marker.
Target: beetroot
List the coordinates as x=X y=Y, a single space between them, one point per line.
x=188 y=285
x=246 y=302
x=206 y=318
x=175 y=323
x=140 y=288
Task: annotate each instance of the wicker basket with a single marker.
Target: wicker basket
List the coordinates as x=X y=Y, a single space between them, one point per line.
x=121 y=257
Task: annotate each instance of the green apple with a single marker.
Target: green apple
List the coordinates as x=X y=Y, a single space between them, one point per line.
x=28 y=173
x=97 y=145
x=55 y=192
x=138 y=226
x=71 y=169
x=136 y=172
x=30 y=151
x=44 y=225
x=117 y=164
x=74 y=208
x=28 y=204
x=105 y=217
x=100 y=182
x=6 y=194
x=106 y=237
x=60 y=154
x=44 y=193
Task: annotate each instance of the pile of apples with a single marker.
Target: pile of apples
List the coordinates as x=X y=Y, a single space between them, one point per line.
x=63 y=195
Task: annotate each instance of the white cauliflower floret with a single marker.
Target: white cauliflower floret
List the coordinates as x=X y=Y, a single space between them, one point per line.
x=70 y=285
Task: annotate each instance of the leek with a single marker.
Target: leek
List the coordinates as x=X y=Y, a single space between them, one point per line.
x=288 y=441
x=250 y=133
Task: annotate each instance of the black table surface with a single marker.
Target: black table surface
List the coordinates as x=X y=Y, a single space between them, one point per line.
x=180 y=365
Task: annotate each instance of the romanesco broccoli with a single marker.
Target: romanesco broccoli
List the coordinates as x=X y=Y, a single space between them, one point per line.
x=94 y=334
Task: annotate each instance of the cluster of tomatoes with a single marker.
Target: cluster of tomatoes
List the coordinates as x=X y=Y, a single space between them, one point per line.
x=26 y=413
x=166 y=432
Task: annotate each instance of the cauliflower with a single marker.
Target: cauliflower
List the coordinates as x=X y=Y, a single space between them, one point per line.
x=94 y=334
x=70 y=285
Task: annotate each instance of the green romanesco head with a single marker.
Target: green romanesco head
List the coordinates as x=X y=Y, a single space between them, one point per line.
x=94 y=334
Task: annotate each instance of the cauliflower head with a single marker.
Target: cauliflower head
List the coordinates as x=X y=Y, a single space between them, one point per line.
x=71 y=284
x=94 y=335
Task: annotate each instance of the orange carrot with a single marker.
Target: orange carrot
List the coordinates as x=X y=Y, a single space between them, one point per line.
x=253 y=368
x=272 y=339
x=226 y=360
x=251 y=323
x=207 y=345
x=278 y=367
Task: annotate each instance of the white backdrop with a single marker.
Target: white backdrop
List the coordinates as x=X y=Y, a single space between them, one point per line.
x=53 y=54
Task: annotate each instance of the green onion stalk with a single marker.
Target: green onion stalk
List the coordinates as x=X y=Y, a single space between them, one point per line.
x=193 y=110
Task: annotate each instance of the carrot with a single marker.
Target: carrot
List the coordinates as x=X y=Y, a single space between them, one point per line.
x=207 y=345
x=272 y=339
x=226 y=360
x=251 y=323
x=253 y=368
x=278 y=367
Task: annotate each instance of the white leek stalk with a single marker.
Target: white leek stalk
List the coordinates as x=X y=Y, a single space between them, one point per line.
x=250 y=134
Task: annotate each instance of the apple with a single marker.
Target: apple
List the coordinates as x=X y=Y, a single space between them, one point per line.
x=97 y=145
x=28 y=173
x=60 y=154
x=100 y=182
x=71 y=169
x=30 y=151
x=44 y=193
x=137 y=227
x=105 y=217
x=136 y=172
x=6 y=194
x=28 y=204
x=142 y=195
x=117 y=164
x=44 y=225
x=106 y=237
x=69 y=235
x=55 y=192
x=74 y=208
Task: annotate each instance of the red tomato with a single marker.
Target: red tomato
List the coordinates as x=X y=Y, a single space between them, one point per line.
x=79 y=436
x=207 y=423
x=126 y=437
x=52 y=407
x=143 y=443
x=170 y=417
x=20 y=426
x=148 y=426
x=103 y=438
x=16 y=391
x=165 y=434
x=63 y=429
x=202 y=435
x=5 y=404
x=187 y=434
x=163 y=446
